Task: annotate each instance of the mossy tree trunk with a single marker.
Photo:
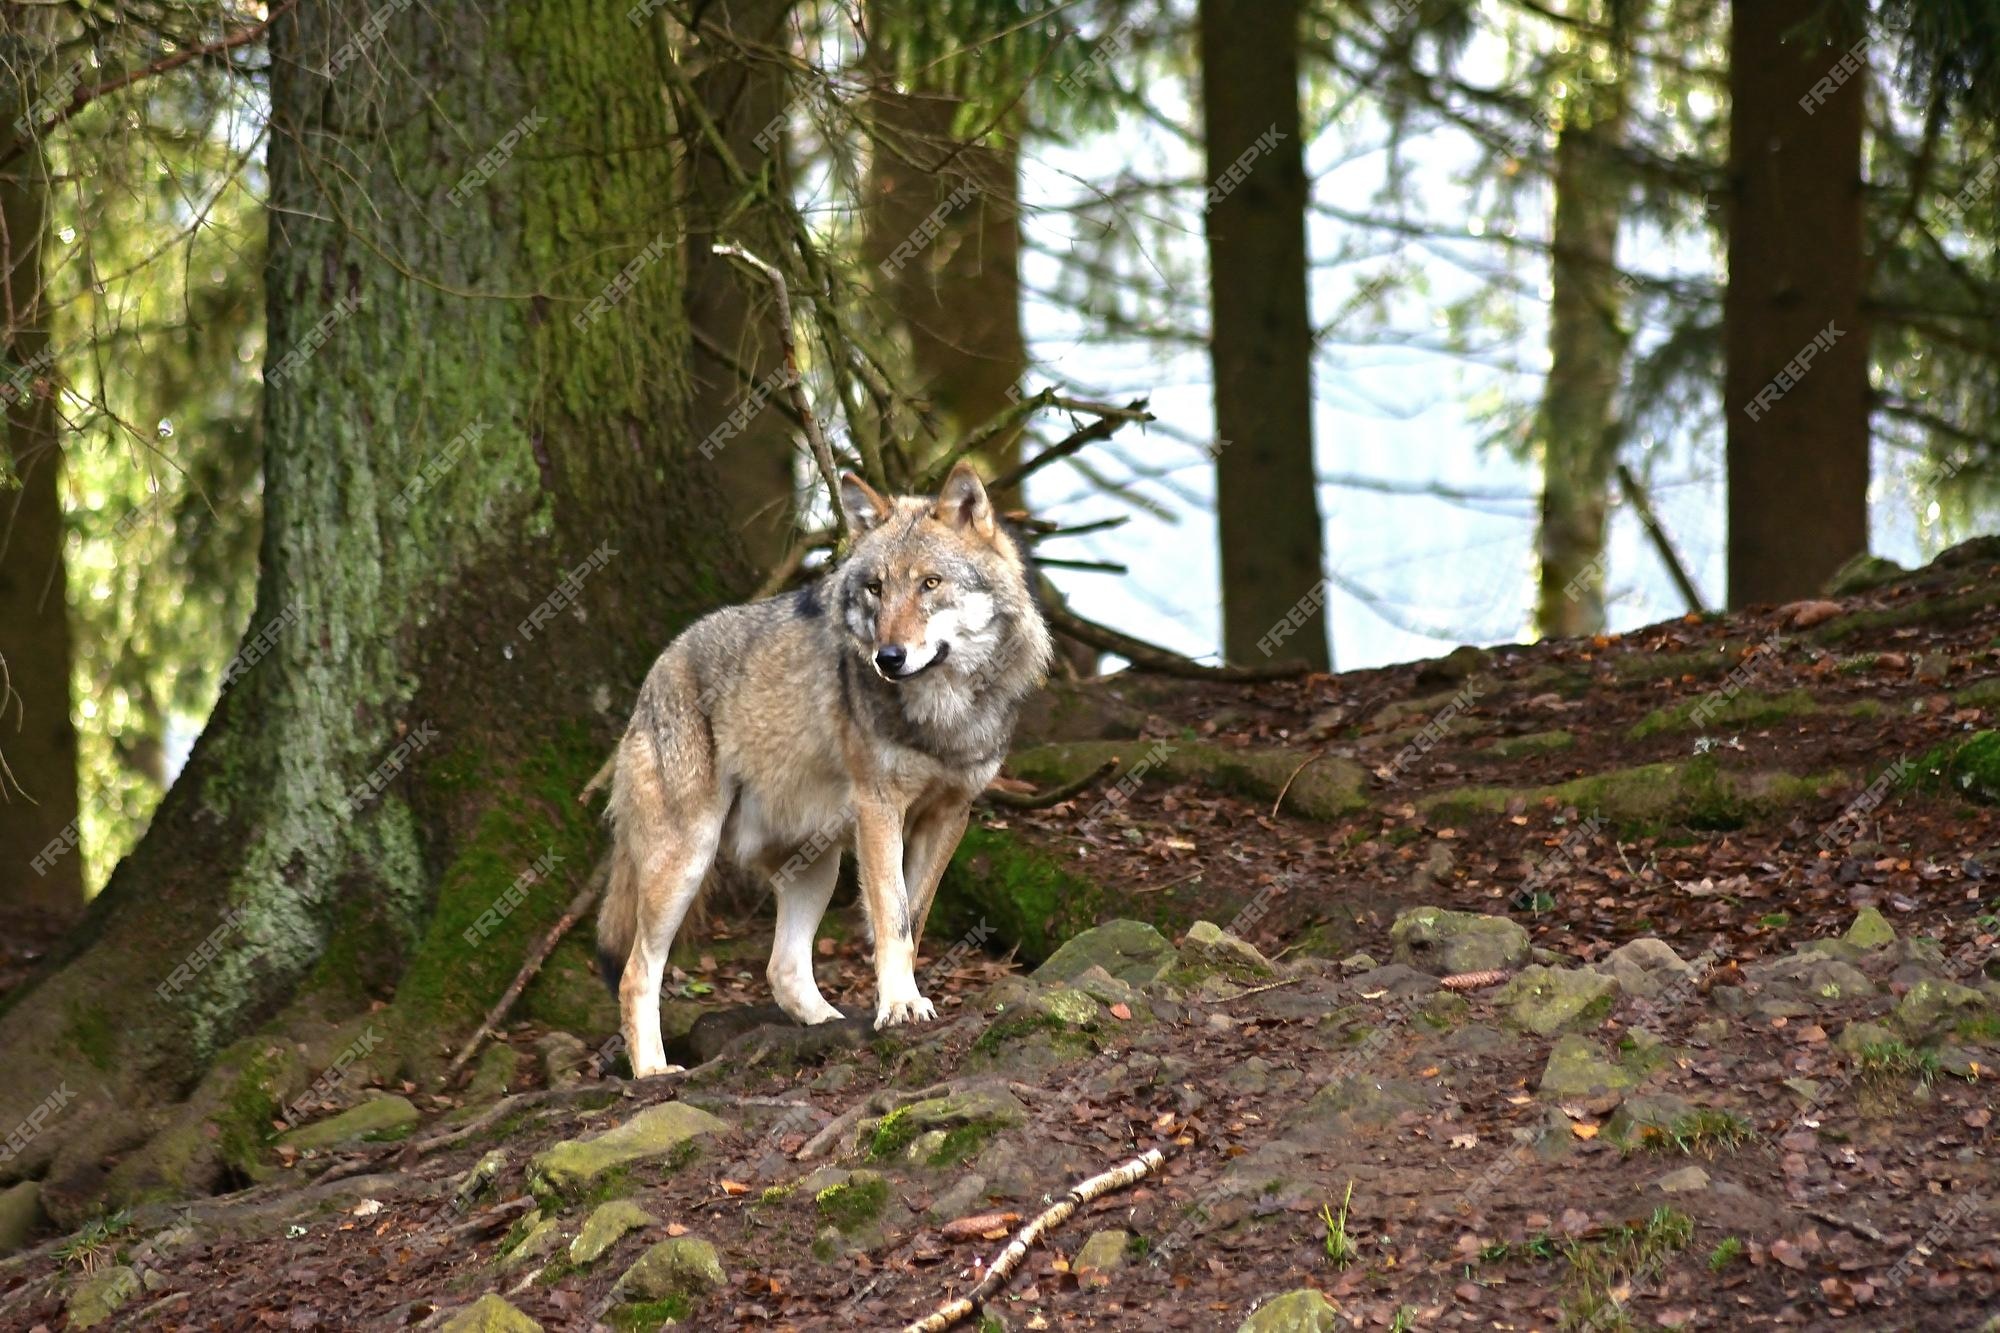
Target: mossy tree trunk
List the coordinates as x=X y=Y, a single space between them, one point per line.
x=1260 y=335
x=1577 y=427
x=481 y=523
x=41 y=866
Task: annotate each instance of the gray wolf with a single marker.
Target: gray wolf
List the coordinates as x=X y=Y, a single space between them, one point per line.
x=866 y=710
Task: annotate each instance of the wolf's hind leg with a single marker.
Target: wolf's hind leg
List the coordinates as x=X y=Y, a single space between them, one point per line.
x=670 y=877
x=803 y=894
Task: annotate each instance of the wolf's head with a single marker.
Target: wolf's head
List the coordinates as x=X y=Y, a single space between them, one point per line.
x=936 y=585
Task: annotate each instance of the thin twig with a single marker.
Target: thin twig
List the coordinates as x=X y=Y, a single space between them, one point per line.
x=1003 y=1265
x=1151 y=657
x=1310 y=760
x=788 y=343
x=571 y=915
x=1643 y=507
x=1109 y=420
x=1259 y=990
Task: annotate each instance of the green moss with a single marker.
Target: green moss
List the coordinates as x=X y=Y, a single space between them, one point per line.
x=1029 y=899
x=1643 y=668
x=896 y=1133
x=1746 y=709
x=1005 y=1031
x=452 y=978
x=1644 y=801
x=1535 y=742
x=91 y=1033
x=1980 y=694
x=646 y=1316
x=853 y=1203
x=964 y=1142
x=1941 y=612
x=1969 y=768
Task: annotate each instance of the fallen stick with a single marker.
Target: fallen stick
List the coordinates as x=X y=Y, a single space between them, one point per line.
x=571 y=915
x=1042 y=800
x=1010 y=1258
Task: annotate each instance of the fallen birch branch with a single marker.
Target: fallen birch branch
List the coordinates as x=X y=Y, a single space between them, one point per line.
x=1009 y=1259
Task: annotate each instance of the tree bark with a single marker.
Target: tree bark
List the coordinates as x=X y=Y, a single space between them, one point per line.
x=957 y=293
x=1796 y=387
x=1577 y=425
x=1260 y=335
x=40 y=862
x=748 y=440
x=483 y=516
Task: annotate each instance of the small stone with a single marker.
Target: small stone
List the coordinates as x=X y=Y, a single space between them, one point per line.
x=1302 y=1311
x=1687 y=1180
x=490 y=1314
x=1862 y=1033
x=607 y=1223
x=1102 y=1254
x=1932 y=1005
x=1358 y=962
x=375 y=1119
x=1636 y=1116
x=101 y=1295
x=683 y=1266
x=563 y=1056
x=1443 y=943
x=498 y=1064
x=1547 y=1000
x=542 y=1237
x=1871 y=930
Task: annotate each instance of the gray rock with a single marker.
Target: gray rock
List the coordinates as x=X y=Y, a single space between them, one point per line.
x=654 y=1133
x=1395 y=980
x=1933 y=1006
x=1131 y=951
x=541 y=1239
x=1360 y=1102
x=1443 y=943
x=563 y=1056
x=1647 y=967
x=1871 y=930
x=1102 y=1254
x=1208 y=948
x=1358 y=962
x=498 y=1064
x=1687 y=1180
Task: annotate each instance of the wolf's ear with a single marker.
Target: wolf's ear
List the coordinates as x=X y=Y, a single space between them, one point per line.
x=865 y=507
x=962 y=502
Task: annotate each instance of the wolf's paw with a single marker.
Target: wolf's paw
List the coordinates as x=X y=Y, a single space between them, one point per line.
x=657 y=1069
x=891 y=1013
x=822 y=1013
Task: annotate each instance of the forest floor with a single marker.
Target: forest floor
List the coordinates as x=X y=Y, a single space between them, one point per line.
x=1727 y=1058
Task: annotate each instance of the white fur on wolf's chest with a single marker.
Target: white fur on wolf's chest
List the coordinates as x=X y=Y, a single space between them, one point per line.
x=807 y=811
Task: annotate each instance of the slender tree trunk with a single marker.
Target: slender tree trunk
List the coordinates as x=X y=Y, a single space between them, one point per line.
x=1260 y=335
x=943 y=244
x=748 y=440
x=1577 y=426
x=1796 y=388
x=41 y=865
x=481 y=522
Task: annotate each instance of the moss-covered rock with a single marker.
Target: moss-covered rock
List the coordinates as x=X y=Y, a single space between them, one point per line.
x=376 y=1119
x=656 y=1133
x=1639 y=1118
x=1534 y=742
x=962 y=1122
x=1131 y=951
x=1871 y=930
x=1934 y=1006
x=1576 y=1069
x=1647 y=967
x=1644 y=800
x=1301 y=1311
x=1208 y=950
x=491 y=1313
x=101 y=1295
x=1862 y=573
x=685 y=1266
x=606 y=1225
x=1441 y=942
x=498 y=1064
x=20 y=1215
x=999 y=884
x=852 y=1203
x=1359 y=1102
x=1104 y=1252
x=1710 y=712
x=537 y=1242
x=1548 y=1000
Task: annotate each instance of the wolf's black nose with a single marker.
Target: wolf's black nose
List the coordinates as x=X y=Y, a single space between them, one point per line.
x=891 y=659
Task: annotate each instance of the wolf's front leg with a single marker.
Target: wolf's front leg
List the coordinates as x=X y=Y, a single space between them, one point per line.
x=878 y=837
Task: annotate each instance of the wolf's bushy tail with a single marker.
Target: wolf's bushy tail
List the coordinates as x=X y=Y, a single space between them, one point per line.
x=618 y=918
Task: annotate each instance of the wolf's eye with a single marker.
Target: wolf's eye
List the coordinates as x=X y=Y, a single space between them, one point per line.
x=874 y=587
x=931 y=584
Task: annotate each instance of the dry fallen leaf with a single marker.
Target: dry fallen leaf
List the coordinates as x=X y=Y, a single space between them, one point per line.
x=734 y=1187
x=1583 y=1129
x=366 y=1208
x=1121 y=1010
